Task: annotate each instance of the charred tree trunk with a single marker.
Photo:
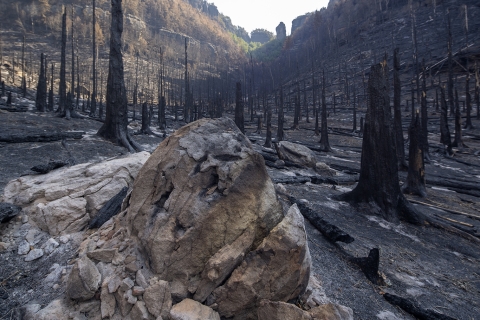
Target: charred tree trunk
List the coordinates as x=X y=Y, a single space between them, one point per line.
x=145 y=119
x=162 y=123
x=239 y=121
x=450 y=66
x=324 y=144
x=268 y=139
x=468 y=102
x=445 y=137
x=354 y=109
x=24 y=81
x=305 y=102
x=458 y=141
x=115 y=126
x=93 y=104
x=41 y=99
x=378 y=184
x=397 y=112
x=477 y=90
x=424 y=113
x=415 y=183
x=280 y=132
x=50 y=94
x=63 y=84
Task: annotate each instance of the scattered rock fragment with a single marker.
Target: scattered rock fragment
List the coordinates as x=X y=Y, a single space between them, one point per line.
x=84 y=280
x=190 y=309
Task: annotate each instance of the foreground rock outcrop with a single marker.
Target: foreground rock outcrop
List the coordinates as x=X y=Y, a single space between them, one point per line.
x=64 y=200
x=202 y=225
x=202 y=235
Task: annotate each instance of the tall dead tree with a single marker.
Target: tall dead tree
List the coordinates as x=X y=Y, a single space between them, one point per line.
x=415 y=183
x=458 y=141
x=24 y=80
x=397 y=112
x=41 y=98
x=477 y=90
x=72 y=88
x=268 y=135
x=116 y=119
x=450 y=66
x=239 y=108
x=468 y=102
x=424 y=114
x=280 y=131
x=324 y=144
x=378 y=185
x=93 y=104
x=354 y=109
x=50 y=93
x=62 y=101
x=445 y=137
x=162 y=122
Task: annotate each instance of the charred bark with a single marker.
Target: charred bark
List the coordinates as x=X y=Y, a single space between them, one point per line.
x=93 y=104
x=329 y=231
x=162 y=123
x=268 y=139
x=458 y=141
x=445 y=137
x=50 y=93
x=63 y=84
x=378 y=185
x=397 y=122
x=41 y=98
x=239 y=121
x=415 y=183
x=280 y=132
x=51 y=165
x=468 y=102
x=324 y=144
x=42 y=137
x=424 y=114
x=116 y=118
x=414 y=309
x=109 y=209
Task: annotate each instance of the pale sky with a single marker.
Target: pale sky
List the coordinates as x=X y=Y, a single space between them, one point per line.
x=266 y=14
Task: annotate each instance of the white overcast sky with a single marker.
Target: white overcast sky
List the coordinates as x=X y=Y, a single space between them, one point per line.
x=266 y=14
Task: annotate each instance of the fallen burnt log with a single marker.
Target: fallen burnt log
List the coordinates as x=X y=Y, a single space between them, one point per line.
x=414 y=309
x=51 y=165
x=12 y=109
x=292 y=180
x=330 y=231
x=109 y=209
x=369 y=265
x=41 y=137
x=273 y=158
x=336 y=181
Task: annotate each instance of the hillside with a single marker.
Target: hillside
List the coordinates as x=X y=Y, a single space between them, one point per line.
x=148 y=26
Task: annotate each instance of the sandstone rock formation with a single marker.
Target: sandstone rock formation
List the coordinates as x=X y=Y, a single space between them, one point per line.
x=281 y=31
x=64 y=200
x=201 y=236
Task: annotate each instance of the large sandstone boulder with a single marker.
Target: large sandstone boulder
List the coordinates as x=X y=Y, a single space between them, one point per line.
x=202 y=189
x=296 y=153
x=203 y=221
x=64 y=200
